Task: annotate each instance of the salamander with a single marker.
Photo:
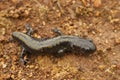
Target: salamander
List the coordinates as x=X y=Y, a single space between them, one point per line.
x=57 y=45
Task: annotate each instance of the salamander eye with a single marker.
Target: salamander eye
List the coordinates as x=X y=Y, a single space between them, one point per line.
x=90 y=40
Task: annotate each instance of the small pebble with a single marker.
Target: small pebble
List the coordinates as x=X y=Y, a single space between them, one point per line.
x=101 y=67
x=97 y=3
x=117 y=41
x=4 y=65
x=31 y=66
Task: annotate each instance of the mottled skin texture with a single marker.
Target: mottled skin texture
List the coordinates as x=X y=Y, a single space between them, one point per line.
x=57 y=45
x=70 y=42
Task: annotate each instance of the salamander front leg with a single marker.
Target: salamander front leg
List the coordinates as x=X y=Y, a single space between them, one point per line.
x=29 y=29
x=57 y=31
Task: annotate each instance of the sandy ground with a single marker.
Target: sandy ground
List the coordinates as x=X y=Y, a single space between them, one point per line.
x=95 y=19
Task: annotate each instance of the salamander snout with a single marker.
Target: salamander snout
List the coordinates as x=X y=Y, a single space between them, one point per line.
x=89 y=48
x=86 y=46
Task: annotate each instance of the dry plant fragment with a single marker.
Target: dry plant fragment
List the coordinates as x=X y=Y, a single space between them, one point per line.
x=84 y=2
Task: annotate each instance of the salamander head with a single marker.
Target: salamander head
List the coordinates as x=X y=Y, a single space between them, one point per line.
x=86 y=46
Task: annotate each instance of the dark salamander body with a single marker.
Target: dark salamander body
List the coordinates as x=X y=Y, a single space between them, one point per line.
x=56 y=45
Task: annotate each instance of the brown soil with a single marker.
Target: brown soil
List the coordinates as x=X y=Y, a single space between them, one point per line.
x=93 y=19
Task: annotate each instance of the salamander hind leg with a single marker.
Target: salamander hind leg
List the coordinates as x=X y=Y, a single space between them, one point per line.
x=29 y=29
x=23 y=53
x=60 y=53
